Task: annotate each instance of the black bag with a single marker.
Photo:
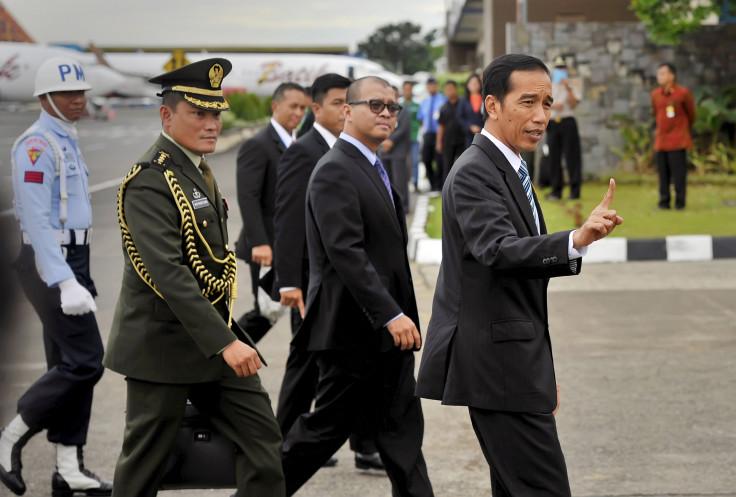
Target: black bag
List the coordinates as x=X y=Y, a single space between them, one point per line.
x=201 y=458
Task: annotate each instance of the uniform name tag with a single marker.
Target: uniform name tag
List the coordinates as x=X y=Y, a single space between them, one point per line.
x=199 y=203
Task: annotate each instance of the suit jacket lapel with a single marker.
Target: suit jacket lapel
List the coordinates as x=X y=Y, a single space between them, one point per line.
x=371 y=172
x=276 y=138
x=512 y=182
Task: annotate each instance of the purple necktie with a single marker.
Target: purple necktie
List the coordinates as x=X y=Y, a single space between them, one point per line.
x=382 y=173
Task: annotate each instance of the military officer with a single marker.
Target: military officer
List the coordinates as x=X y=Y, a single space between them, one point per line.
x=53 y=209
x=173 y=335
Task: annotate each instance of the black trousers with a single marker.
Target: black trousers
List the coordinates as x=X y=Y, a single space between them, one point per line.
x=564 y=141
x=372 y=390
x=239 y=408
x=672 y=167
x=450 y=153
x=252 y=322
x=432 y=161
x=61 y=400
x=299 y=387
x=523 y=452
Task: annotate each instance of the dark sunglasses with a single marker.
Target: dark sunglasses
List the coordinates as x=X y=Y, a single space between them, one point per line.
x=377 y=106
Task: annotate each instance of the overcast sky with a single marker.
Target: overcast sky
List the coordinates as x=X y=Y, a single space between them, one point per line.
x=217 y=22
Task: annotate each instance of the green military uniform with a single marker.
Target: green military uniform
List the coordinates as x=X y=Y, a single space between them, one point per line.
x=172 y=319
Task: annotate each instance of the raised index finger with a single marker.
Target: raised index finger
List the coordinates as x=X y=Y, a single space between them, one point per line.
x=606 y=202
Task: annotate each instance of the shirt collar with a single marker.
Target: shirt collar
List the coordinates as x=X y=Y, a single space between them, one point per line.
x=329 y=137
x=513 y=158
x=69 y=129
x=363 y=149
x=196 y=159
x=287 y=138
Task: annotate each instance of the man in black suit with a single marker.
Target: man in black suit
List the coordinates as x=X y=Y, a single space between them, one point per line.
x=395 y=155
x=488 y=343
x=361 y=312
x=256 y=183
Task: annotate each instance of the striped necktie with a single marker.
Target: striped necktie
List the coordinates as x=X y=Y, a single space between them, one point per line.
x=207 y=175
x=527 y=184
x=384 y=176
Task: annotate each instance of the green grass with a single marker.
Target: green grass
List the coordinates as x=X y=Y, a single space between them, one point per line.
x=711 y=210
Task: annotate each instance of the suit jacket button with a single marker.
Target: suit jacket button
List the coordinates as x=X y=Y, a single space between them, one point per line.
x=554 y=259
x=204 y=223
x=226 y=247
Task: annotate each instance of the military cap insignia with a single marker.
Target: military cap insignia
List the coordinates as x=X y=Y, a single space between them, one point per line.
x=216 y=75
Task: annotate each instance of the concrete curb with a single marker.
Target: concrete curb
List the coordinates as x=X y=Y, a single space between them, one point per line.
x=680 y=248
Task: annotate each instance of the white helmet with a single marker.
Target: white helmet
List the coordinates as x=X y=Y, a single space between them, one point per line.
x=60 y=74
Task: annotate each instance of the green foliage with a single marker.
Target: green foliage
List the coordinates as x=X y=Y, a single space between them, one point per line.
x=401 y=47
x=713 y=151
x=245 y=108
x=669 y=20
x=638 y=148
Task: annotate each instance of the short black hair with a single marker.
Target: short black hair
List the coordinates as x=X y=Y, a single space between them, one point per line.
x=278 y=93
x=325 y=83
x=669 y=66
x=355 y=87
x=451 y=82
x=409 y=82
x=171 y=99
x=497 y=75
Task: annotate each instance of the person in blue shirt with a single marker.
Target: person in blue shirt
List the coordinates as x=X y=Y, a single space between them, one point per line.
x=429 y=112
x=53 y=208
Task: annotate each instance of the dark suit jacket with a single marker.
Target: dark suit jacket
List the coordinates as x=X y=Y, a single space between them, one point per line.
x=488 y=343
x=291 y=260
x=467 y=117
x=175 y=339
x=359 y=276
x=256 y=182
x=401 y=137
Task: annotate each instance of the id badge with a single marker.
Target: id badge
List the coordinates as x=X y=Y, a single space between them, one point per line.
x=670 y=111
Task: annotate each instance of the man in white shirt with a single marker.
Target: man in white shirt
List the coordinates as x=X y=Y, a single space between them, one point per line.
x=488 y=342
x=256 y=182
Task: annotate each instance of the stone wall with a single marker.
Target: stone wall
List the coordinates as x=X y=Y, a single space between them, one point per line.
x=617 y=65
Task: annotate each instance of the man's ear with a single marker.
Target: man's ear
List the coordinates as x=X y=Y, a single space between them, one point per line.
x=165 y=113
x=348 y=111
x=492 y=107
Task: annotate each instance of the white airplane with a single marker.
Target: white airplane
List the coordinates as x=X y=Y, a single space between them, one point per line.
x=125 y=73
x=19 y=63
x=258 y=73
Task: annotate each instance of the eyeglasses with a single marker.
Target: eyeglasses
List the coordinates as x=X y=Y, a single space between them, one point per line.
x=377 y=106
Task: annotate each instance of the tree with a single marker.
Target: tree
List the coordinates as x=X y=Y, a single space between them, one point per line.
x=669 y=20
x=400 y=47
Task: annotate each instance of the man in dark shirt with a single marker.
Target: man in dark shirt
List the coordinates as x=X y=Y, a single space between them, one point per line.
x=450 y=134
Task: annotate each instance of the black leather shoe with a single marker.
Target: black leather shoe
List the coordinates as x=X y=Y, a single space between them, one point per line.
x=13 y=478
x=331 y=462
x=369 y=461
x=60 y=488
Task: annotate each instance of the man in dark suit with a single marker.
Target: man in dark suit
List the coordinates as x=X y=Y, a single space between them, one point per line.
x=488 y=343
x=395 y=155
x=361 y=311
x=256 y=183
x=172 y=335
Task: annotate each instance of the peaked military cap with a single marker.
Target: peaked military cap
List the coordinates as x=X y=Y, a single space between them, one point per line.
x=200 y=83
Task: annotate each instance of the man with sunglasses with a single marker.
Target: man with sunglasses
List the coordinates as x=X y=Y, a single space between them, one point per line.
x=361 y=314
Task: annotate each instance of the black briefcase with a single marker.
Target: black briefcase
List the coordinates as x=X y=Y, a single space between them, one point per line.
x=201 y=458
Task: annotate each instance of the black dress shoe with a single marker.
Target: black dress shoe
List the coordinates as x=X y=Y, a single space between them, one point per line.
x=60 y=488
x=369 y=461
x=331 y=462
x=13 y=479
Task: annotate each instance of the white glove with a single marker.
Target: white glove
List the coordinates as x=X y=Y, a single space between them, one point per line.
x=75 y=299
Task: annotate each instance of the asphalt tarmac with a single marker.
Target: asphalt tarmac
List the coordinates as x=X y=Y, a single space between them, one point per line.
x=645 y=353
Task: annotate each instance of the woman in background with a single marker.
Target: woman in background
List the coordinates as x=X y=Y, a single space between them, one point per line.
x=470 y=109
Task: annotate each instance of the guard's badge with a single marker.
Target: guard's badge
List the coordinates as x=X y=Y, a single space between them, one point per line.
x=34 y=153
x=196 y=194
x=216 y=75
